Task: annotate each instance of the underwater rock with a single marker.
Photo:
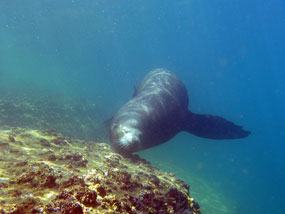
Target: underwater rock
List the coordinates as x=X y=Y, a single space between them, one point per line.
x=87 y=197
x=48 y=173
x=11 y=138
x=68 y=115
x=44 y=142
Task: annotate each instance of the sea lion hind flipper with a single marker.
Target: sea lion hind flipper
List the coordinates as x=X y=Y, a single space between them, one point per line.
x=213 y=127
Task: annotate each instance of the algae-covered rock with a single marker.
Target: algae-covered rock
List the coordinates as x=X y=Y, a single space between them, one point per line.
x=45 y=172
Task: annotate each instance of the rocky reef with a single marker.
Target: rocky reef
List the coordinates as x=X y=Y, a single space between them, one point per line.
x=45 y=172
x=72 y=116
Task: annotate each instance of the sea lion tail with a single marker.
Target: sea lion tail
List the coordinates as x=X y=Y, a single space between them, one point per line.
x=213 y=127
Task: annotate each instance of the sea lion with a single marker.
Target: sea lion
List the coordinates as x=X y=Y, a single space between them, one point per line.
x=158 y=111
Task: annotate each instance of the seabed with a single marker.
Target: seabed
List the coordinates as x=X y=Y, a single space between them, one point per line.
x=46 y=172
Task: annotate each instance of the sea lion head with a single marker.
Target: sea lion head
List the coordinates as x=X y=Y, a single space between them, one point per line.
x=125 y=135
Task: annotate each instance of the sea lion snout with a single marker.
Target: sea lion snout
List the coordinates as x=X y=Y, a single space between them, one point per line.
x=128 y=135
x=125 y=135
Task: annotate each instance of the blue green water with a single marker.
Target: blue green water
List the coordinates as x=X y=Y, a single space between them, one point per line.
x=230 y=55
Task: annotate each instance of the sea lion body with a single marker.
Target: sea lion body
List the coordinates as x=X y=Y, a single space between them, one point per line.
x=157 y=112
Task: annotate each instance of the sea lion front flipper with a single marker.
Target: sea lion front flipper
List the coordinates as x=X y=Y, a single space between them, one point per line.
x=135 y=91
x=213 y=127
